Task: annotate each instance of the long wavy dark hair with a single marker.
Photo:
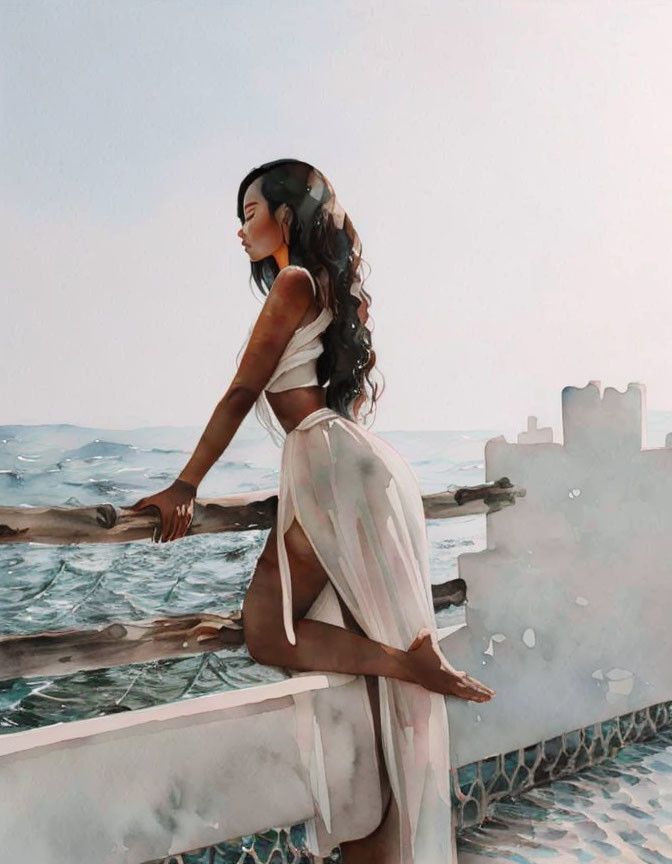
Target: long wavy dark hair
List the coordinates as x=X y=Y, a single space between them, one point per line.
x=332 y=253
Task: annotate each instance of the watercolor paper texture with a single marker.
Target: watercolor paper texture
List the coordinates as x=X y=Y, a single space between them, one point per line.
x=507 y=167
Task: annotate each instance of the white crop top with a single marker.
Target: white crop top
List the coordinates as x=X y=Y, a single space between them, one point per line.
x=296 y=367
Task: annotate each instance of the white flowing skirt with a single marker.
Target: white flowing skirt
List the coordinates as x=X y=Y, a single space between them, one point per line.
x=360 y=505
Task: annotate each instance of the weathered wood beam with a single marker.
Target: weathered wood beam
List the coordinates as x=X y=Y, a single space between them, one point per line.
x=247 y=511
x=61 y=652
x=105 y=523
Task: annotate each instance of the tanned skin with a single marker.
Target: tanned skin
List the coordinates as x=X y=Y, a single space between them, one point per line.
x=319 y=646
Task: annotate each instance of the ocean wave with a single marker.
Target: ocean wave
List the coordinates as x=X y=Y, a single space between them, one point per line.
x=158 y=450
x=106 y=487
x=98 y=449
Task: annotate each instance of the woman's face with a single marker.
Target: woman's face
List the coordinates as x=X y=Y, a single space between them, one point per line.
x=261 y=232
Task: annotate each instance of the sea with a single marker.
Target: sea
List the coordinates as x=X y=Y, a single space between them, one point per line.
x=620 y=809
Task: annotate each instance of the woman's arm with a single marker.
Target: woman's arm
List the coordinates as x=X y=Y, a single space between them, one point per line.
x=285 y=306
x=229 y=413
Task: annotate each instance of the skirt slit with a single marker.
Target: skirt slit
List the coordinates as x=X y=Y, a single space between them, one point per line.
x=360 y=506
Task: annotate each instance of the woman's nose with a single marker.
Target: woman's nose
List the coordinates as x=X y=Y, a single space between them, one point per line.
x=239 y=233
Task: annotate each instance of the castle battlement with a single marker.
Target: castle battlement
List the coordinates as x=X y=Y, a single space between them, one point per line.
x=596 y=421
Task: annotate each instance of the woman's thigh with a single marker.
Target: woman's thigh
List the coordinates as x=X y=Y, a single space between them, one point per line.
x=308 y=577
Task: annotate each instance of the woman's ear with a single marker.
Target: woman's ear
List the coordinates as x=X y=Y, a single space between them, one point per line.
x=285 y=217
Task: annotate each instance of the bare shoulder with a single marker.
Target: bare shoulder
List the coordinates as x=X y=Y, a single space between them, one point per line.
x=286 y=303
x=293 y=281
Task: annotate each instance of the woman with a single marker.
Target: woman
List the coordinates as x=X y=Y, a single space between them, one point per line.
x=349 y=545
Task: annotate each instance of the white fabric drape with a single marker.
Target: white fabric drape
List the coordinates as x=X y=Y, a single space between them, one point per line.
x=360 y=505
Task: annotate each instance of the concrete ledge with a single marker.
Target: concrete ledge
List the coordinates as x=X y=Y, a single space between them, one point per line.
x=132 y=787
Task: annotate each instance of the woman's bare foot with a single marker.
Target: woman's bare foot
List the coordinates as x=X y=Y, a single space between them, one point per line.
x=429 y=669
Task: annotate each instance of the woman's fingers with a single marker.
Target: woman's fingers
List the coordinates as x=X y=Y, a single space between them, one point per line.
x=189 y=515
x=186 y=523
x=158 y=531
x=176 y=525
x=188 y=518
x=183 y=527
x=144 y=503
x=170 y=526
x=479 y=685
x=175 y=518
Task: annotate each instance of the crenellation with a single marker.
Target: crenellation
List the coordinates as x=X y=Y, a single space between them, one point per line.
x=611 y=422
x=568 y=577
x=534 y=434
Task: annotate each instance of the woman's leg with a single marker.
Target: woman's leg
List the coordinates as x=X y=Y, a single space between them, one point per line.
x=322 y=647
x=382 y=845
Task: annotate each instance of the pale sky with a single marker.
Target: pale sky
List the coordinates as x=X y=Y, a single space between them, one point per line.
x=508 y=166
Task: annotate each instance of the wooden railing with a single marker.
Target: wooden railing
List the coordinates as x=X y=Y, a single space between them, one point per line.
x=60 y=652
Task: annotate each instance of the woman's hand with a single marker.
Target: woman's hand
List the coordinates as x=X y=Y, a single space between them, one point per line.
x=176 y=506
